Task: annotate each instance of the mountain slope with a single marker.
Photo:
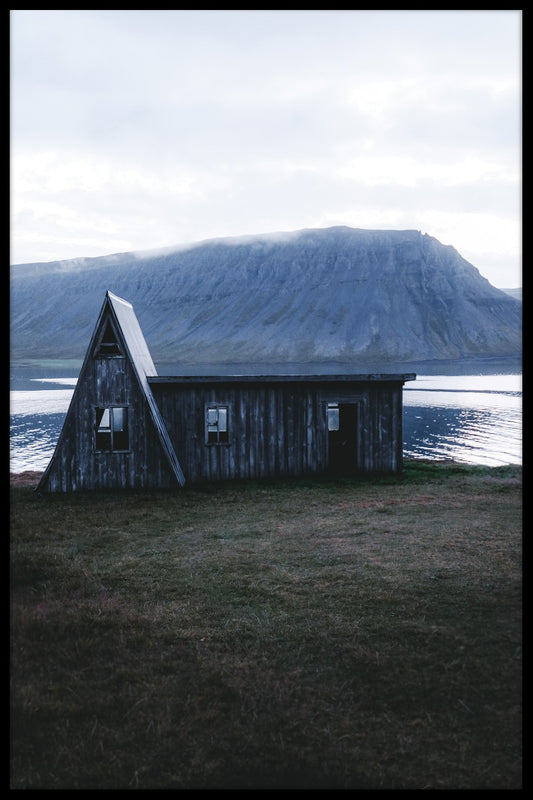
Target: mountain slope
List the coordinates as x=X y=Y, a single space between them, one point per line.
x=336 y=294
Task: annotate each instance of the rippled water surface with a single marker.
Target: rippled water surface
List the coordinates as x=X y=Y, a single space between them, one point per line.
x=474 y=419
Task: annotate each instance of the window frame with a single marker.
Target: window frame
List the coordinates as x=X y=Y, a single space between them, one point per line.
x=114 y=430
x=332 y=416
x=213 y=428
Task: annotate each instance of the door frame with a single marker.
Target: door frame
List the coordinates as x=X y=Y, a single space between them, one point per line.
x=347 y=435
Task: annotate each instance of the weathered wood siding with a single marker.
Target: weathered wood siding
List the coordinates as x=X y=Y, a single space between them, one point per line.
x=78 y=466
x=278 y=429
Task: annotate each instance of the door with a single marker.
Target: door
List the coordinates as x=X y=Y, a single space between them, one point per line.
x=342 y=438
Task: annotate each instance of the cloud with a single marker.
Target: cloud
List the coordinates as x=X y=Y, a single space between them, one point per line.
x=143 y=129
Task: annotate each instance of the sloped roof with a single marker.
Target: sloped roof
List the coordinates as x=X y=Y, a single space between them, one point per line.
x=347 y=377
x=143 y=366
x=133 y=335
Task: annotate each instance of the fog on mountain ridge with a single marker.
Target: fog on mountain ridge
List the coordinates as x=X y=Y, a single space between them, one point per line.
x=318 y=295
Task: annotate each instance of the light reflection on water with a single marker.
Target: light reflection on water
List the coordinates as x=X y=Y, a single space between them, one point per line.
x=37 y=417
x=468 y=435
x=474 y=419
x=45 y=401
x=33 y=440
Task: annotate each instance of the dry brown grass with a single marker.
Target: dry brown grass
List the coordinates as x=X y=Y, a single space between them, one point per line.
x=27 y=478
x=341 y=635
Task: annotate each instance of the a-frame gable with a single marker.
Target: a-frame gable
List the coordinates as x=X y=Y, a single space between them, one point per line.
x=117 y=334
x=144 y=367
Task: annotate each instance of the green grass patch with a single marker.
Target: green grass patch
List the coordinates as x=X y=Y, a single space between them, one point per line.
x=297 y=634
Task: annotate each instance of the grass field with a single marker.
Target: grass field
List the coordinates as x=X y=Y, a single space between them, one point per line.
x=357 y=634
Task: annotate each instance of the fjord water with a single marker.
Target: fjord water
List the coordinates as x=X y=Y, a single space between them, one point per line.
x=473 y=419
x=468 y=418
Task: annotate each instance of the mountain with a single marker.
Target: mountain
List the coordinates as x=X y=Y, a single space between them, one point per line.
x=514 y=293
x=336 y=294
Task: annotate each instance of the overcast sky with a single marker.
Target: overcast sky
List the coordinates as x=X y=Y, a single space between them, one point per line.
x=137 y=130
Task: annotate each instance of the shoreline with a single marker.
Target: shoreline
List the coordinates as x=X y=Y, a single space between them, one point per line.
x=27 y=478
x=32 y=477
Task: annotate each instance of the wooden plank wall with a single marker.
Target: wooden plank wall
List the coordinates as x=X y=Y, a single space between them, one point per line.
x=277 y=429
x=77 y=466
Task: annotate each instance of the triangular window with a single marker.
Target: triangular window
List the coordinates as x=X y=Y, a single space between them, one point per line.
x=108 y=345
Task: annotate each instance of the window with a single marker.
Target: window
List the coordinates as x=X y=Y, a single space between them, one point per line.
x=108 y=346
x=112 y=429
x=216 y=425
x=333 y=416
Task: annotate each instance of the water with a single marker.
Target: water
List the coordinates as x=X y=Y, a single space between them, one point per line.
x=36 y=419
x=472 y=419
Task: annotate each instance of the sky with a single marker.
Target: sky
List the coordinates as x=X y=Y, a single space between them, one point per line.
x=137 y=130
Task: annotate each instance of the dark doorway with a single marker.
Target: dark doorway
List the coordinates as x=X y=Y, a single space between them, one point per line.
x=342 y=438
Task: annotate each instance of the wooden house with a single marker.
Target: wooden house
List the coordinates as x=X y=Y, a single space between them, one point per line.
x=127 y=427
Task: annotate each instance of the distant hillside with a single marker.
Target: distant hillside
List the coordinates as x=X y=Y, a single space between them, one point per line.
x=336 y=294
